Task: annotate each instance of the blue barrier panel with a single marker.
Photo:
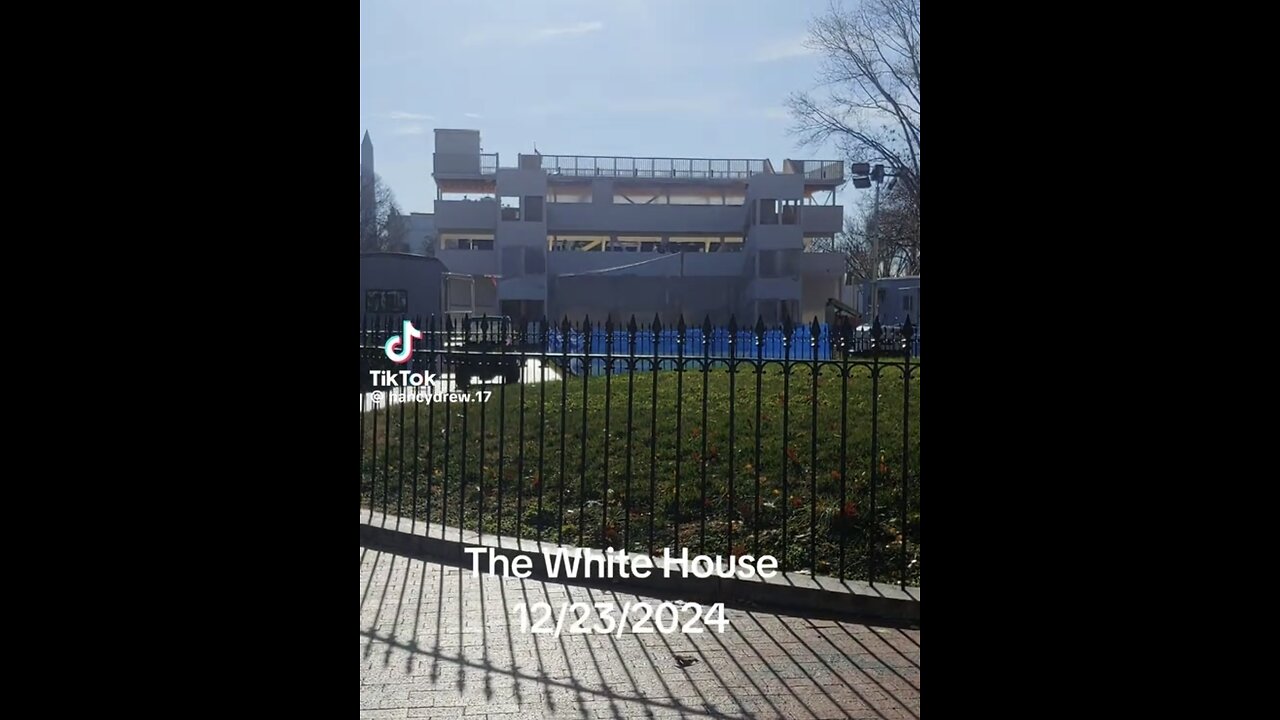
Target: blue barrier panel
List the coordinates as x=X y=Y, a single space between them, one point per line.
x=772 y=347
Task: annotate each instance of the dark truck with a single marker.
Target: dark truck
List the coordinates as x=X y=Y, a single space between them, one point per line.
x=483 y=347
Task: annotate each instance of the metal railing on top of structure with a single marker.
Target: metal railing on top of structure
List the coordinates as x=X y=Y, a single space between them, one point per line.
x=651 y=167
x=818 y=169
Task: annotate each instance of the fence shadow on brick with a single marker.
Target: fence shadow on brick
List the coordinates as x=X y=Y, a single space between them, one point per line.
x=767 y=665
x=800 y=442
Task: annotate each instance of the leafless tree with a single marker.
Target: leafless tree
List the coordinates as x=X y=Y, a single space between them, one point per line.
x=897 y=230
x=899 y=245
x=383 y=226
x=870 y=105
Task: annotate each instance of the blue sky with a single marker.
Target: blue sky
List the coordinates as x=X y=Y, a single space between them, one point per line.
x=666 y=78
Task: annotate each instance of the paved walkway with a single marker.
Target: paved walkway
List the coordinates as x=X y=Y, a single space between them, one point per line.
x=436 y=642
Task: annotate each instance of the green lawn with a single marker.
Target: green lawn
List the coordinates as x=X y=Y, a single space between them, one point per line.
x=411 y=458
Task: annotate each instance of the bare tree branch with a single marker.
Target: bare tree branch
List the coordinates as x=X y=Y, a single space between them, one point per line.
x=872 y=75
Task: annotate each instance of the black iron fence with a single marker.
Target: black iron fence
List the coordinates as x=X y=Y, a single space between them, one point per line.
x=648 y=437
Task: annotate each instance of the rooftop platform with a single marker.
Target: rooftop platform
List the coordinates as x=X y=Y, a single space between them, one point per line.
x=827 y=172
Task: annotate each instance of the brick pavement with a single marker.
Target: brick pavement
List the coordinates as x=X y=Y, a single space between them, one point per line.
x=436 y=642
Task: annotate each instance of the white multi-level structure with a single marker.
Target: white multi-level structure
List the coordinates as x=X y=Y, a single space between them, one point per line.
x=589 y=235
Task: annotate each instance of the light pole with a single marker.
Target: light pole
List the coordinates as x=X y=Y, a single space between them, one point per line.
x=863 y=176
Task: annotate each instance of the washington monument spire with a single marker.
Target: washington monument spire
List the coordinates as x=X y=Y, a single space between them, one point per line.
x=367 y=199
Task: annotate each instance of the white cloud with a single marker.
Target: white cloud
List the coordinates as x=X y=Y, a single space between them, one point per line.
x=410 y=130
x=520 y=35
x=472 y=115
x=409 y=116
x=783 y=49
x=581 y=28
